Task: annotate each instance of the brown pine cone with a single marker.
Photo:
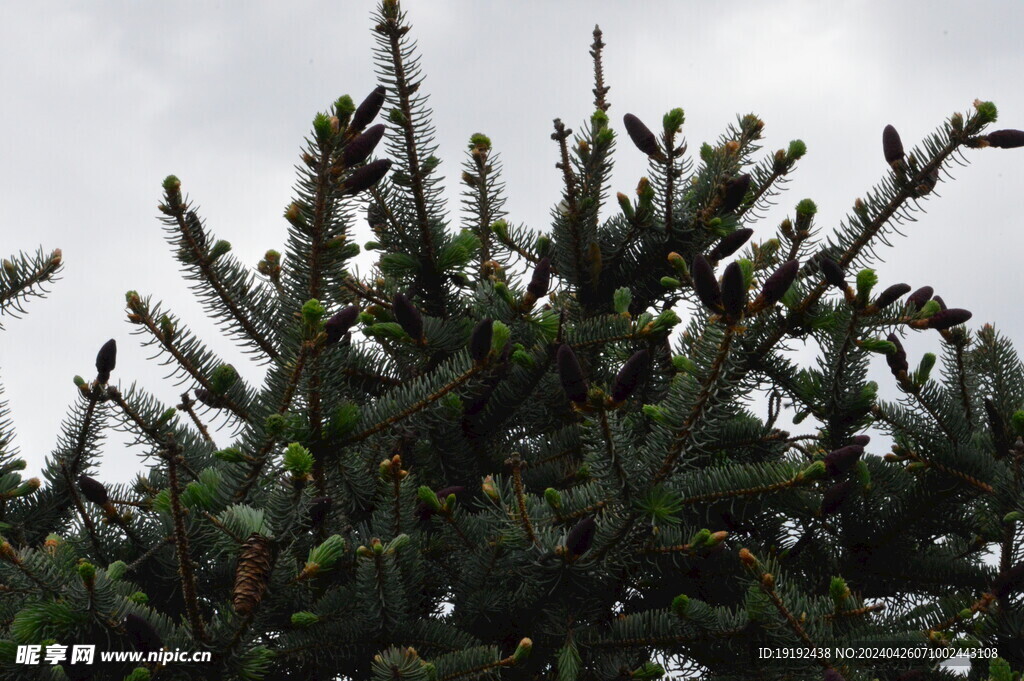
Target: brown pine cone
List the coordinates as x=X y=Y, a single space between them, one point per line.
x=251 y=574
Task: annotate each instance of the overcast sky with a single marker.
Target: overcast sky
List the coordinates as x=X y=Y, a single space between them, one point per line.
x=104 y=99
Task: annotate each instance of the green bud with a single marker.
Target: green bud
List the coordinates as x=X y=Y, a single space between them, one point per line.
x=116 y=570
x=366 y=317
x=79 y=381
x=523 y=359
x=673 y=120
x=304 y=619
x=500 y=335
x=930 y=308
x=987 y=112
x=396 y=116
x=796 y=150
x=862 y=474
x=747 y=268
x=681 y=605
x=371 y=246
x=138 y=674
x=87 y=571
x=553 y=498
x=322 y=127
x=139 y=597
x=655 y=413
x=171 y=184
x=166 y=416
x=622 y=299
x=700 y=538
x=1017 y=422
x=500 y=227
x=815 y=471
x=344 y=420
x=707 y=153
x=1013 y=517
x=326 y=554
x=428 y=497
x=878 y=345
x=275 y=425
x=522 y=650
x=924 y=369
x=298 y=460
x=230 y=455
x=965 y=614
x=219 y=249
x=866 y=280
x=665 y=321
x=479 y=140
x=838 y=589
x=349 y=250
x=544 y=245
x=222 y=378
x=684 y=364
x=669 y=282
x=312 y=312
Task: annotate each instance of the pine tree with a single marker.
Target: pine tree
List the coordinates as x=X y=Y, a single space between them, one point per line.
x=503 y=454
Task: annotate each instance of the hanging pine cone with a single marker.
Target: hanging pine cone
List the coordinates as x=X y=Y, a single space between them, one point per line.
x=480 y=339
x=833 y=273
x=251 y=574
x=734 y=290
x=106 y=359
x=705 y=285
x=367 y=109
x=779 y=282
x=891 y=295
x=892 y=145
x=630 y=375
x=641 y=135
x=730 y=244
x=360 y=148
x=735 y=192
x=571 y=375
x=337 y=326
x=366 y=176
x=407 y=316
x=921 y=296
x=1005 y=139
x=142 y=634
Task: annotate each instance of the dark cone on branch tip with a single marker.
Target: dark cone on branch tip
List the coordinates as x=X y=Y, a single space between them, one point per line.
x=541 y=279
x=730 y=244
x=93 y=490
x=941 y=302
x=779 y=282
x=891 y=295
x=1006 y=139
x=630 y=375
x=860 y=440
x=641 y=135
x=945 y=319
x=898 y=360
x=734 y=290
x=581 y=536
x=106 y=359
x=921 y=296
x=480 y=339
x=407 y=316
x=835 y=496
x=571 y=375
x=892 y=145
x=364 y=177
x=735 y=191
x=367 y=109
x=208 y=398
x=360 y=148
x=834 y=274
x=318 y=510
x=1009 y=581
x=142 y=634
x=338 y=325
x=705 y=285
x=251 y=574
x=841 y=460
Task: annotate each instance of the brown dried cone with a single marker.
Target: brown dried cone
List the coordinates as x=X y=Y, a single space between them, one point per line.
x=318 y=510
x=898 y=360
x=142 y=634
x=251 y=574
x=580 y=537
x=367 y=109
x=835 y=496
x=1005 y=139
x=891 y=295
x=730 y=244
x=407 y=316
x=337 y=326
x=641 y=135
x=834 y=274
x=360 y=148
x=106 y=359
x=841 y=460
x=570 y=373
x=705 y=285
x=734 y=290
x=630 y=375
x=779 y=282
x=944 y=319
x=892 y=145
x=480 y=339
x=366 y=176
x=539 y=282
x=735 y=191
x=921 y=296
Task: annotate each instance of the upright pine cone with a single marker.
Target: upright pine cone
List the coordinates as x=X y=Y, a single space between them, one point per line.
x=251 y=574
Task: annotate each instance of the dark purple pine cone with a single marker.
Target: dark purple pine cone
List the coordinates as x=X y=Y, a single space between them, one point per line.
x=835 y=496
x=407 y=316
x=1009 y=581
x=360 y=148
x=941 y=302
x=541 y=279
x=705 y=285
x=142 y=634
x=898 y=360
x=319 y=507
x=892 y=146
x=734 y=290
x=860 y=440
x=834 y=274
x=735 y=191
x=891 y=295
x=581 y=536
x=208 y=398
x=1006 y=139
x=93 y=490
x=630 y=375
x=364 y=177
x=480 y=339
x=571 y=375
x=641 y=135
x=945 y=319
x=776 y=285
x=337 y=326
x=106 y=359
x=367 y=109
x=730 y=244
x=832 y=675
x=841 y=460
x=921 y=296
